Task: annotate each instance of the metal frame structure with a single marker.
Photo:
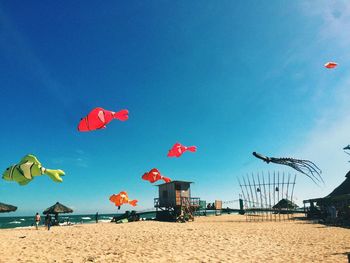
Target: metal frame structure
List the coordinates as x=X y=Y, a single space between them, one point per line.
x=263 y=195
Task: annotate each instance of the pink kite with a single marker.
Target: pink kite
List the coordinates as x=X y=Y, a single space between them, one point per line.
x=330 y=65
x=178 y=149
x=154 y=175
x=98 y=118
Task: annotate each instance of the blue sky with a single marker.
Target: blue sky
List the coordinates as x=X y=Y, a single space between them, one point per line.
x=230 y=78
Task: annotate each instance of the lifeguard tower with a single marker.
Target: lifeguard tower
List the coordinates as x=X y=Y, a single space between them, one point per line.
x=175 y=202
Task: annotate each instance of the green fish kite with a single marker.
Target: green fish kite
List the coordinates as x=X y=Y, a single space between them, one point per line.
x=29 y=167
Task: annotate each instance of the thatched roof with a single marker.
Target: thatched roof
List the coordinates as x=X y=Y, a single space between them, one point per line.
x=57 y=208
x=7 y=208
x=342 y=192
x=342 y=189
x=284 y=203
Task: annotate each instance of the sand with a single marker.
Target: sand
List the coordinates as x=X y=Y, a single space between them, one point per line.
x=225 y=238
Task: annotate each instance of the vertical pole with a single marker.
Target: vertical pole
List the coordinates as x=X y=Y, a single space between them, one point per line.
x=256 y=195
x=240 y=185
x=244 y=198
x=261 y=201
x=287 y=197
x=270 y=196
x=291 y=197
x=251 y=191
x=274 y=193
x=278 y=195
x=266 y=206
x=282 y=194
x=245 y=184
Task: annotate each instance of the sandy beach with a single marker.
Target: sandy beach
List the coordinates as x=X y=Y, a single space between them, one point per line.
x=226 y=238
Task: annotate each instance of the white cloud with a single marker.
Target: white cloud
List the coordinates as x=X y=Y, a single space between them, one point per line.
x=77 y=158
x=323 y=143
x=330 y=101
x=336 y=20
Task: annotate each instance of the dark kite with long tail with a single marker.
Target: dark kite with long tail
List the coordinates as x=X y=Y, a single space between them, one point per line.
x=304 y=166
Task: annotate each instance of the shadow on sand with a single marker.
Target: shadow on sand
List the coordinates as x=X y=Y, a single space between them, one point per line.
x=325 y=223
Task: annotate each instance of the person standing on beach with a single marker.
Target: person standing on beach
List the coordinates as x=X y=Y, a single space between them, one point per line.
x=37 y=220
x=56 y=220
x=96 y=217
x=48 y=221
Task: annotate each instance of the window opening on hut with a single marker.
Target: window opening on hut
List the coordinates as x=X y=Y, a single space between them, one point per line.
x=177 y=186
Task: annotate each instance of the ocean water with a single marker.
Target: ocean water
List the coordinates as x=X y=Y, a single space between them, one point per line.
x=26 y=221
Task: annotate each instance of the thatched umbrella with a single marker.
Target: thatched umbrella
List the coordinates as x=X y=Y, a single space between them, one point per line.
x=285 y=204
x=57 y=208
x=4 y=208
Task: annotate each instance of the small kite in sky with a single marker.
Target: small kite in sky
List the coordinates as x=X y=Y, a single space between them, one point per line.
x=121 y=199
x=154 y=175
x=331 y=65
x=98 y=118
x=347 y=148
x=27 y=169
x=304 y=166
x=178 y=149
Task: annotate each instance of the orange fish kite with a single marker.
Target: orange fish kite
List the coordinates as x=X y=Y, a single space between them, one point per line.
x=121 y=199
x=330 y=65
x=154 y=175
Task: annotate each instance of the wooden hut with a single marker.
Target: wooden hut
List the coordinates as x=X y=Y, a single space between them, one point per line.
x=175 y=202
x=338 y=199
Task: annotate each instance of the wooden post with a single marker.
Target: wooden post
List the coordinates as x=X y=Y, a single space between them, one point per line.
x=278 y=194
x=266 y=206
x=270 y=197
x=274 y=192
x=282 y=194
x=287 y=195
x=249 y=205
x=291 y=197
x=244 y=198
x=256 y=195
x=261 y=201
x=251 y=191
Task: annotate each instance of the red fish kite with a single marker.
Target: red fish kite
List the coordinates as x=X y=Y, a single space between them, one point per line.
x=98 y=118
x=154 y=175
x=178 y=149
x=331 y=65
x=121 y=199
